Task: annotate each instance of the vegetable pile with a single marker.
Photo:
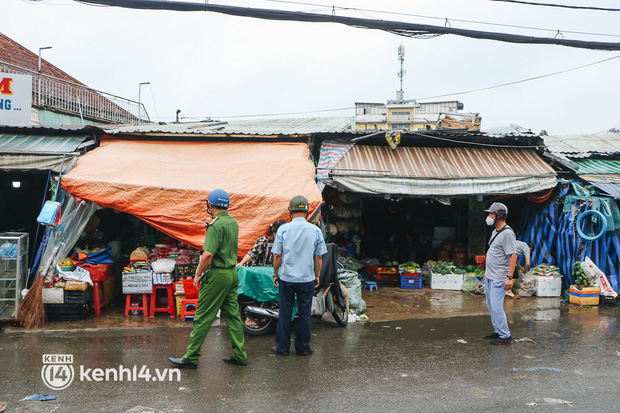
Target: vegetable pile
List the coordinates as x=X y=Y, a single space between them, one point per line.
x=409 y=266
x=446 y=267
x=474 y=269
x=546 y=270
x=580 y=277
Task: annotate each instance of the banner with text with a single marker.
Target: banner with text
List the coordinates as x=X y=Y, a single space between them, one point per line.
x=15 y=99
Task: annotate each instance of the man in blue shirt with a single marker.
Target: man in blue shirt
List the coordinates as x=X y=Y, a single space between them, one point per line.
x=298 y=254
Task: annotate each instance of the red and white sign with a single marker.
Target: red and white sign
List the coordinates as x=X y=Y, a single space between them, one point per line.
x=15 y=99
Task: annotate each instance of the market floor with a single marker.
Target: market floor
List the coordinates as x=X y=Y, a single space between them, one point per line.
x=385 y=304
x=566 y=359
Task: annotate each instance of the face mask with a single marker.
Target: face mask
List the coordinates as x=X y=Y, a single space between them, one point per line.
x=209 y=209
x=490 y=221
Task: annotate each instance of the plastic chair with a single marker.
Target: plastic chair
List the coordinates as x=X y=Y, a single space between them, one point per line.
x=370 y=285
x=170 y=308
x=144 y=307
x=189 y=303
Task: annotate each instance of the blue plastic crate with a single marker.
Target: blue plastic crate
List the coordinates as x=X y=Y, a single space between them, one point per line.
x=411 y=283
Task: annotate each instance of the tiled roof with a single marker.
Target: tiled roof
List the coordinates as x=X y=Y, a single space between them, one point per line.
x=15 y=54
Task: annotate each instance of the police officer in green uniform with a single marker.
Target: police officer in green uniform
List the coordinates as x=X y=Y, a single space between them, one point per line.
x=219 y=285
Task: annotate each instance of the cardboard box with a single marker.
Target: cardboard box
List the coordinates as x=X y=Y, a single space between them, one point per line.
x=138 y=283
x=446 y=282
x=585 y=296
x=545 y=286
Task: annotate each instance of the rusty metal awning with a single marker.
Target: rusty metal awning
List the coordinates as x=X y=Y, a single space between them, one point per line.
x=442 y=171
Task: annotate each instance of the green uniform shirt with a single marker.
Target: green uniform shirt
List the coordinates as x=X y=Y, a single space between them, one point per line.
x=222 y=240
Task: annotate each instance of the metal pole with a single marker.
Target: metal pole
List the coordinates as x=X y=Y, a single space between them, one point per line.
x=39 y=77
x=140 y=100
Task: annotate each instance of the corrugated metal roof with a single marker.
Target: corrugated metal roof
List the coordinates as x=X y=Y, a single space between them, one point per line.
x=611 y=189
x=598 y=166
x=584 y=145
x=267 y=127
x=601 y=179
x=441 y=163
x=509 y=130
x=24 y=144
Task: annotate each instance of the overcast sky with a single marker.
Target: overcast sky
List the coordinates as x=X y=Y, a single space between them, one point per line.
x=219 y=66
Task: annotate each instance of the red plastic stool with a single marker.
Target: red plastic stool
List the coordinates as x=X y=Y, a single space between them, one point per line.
x=190 y=300
x=170 y=308
x=188 y=307
x=144 y=308
x=99 y=296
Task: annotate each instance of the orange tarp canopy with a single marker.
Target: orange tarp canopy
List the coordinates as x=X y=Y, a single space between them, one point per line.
x=166 y=183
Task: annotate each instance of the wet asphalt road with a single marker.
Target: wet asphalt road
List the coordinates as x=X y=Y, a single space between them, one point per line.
x=413 y=365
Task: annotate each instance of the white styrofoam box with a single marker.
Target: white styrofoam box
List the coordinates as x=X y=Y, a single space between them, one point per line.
x=138 y=283
x=446 y=282
x=53 y=295
x=548 y=286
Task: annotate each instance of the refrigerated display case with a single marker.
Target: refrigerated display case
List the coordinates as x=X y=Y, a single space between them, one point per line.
x=13 y=272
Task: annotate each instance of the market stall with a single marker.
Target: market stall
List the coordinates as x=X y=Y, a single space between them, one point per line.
x=386 y=207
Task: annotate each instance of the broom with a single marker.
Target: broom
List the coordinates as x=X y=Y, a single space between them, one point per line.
x=31 y=312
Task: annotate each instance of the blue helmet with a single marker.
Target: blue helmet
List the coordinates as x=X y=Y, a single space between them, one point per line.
x=219 y=198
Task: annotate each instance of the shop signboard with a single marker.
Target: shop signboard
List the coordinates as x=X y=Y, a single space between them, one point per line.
x=138 y=283
x=15 y=99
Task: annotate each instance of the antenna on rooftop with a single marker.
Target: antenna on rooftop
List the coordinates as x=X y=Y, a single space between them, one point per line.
x=400 y=95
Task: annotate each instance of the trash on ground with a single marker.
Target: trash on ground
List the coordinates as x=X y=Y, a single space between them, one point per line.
x=543 y=368
x=526 y=340
x=460 y=340
x=593 y=346
x=353 y=318
x=41 y=397
x=557 y=401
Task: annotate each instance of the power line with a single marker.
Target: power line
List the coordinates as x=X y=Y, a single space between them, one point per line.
x=394 y=27
x=512 y=26
x=529 y=3
x=429 y=97
x=522 y=80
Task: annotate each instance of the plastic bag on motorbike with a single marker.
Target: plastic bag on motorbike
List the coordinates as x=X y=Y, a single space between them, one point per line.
x=354 y=287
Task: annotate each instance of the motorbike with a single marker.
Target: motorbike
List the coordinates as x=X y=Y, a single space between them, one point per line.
x=258 y=298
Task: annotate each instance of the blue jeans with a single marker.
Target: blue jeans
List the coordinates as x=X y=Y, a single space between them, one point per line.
x=303 y=335
x=496 y=293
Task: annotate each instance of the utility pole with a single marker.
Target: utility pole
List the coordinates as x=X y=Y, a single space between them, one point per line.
x=140 y=100
x=39 y=80
x=400 y=95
